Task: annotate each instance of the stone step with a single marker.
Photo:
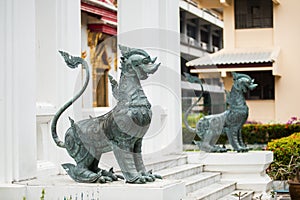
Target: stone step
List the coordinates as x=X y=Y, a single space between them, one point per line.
x=152 y=162
x=201 y=180
x=181 y=171
x=245 y=195
x=213 y=191
x=165 y=162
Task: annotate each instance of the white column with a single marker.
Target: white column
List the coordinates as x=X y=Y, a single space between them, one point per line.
x=58 y=28
x=17 y=90
x=154 y=26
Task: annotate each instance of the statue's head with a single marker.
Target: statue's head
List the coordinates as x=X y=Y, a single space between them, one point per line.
x=243 y=82
x=138 y=62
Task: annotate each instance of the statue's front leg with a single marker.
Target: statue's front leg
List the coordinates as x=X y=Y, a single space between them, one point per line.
x=241 y=141
x=139 y=163
x=125 y=159
x=232 y=135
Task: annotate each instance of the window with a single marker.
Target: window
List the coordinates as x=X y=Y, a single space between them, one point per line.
x=265 y=89
x=253 y=14
x=191 y=31
x=103 y=55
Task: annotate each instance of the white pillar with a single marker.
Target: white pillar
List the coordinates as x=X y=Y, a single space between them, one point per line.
x=58 y=28
x=154 y=26
x=17 y=90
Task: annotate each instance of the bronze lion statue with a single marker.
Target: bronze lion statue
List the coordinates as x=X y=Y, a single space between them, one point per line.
x=121 y=130
x=230 y=122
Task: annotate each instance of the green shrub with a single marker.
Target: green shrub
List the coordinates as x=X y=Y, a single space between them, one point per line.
x=284 y=149
x=254 y=133
x=187 y=136
x=192 y=119
x=263 y=133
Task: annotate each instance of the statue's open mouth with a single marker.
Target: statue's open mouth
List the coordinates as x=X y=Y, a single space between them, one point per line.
x=252 y=86
x=147 y=69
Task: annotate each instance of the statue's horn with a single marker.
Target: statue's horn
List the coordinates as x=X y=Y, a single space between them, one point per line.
x=151 y=69
x=154 y=59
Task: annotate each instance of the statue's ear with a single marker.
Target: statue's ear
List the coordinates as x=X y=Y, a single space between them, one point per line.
x=234 y=75
x=237 y=84
x=124 y=50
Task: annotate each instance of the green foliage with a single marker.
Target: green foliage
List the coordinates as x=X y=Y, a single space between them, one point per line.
x=43 y=194
x=263 y=133
x=192 y=119
x=254 y=133
x=187 y=136
x=286 y=157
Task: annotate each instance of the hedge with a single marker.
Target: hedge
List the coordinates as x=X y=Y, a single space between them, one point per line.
x=257 y=133
x=284 y=149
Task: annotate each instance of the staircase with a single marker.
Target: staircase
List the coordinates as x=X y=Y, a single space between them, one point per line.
x=199 y=185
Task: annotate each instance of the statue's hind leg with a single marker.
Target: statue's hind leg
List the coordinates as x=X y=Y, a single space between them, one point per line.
x=81 y=172
x=83 y=158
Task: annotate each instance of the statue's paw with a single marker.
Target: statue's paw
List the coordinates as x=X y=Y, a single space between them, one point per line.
x=241 y=150
x=218 y=149
x=120 y=176
x=110 y=175
x=245 y=148
x=81 y=175
x=150 y=177
x=104 y=179
x=139 y=180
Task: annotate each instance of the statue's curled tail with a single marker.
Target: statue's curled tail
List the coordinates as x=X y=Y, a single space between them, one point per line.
x=192 y=79
x=72 y=62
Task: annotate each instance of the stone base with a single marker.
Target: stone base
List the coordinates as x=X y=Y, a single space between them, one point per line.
x=247 y=169
x=62 y=187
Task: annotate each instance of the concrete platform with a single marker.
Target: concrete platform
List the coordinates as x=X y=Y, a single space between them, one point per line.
x=62 y=187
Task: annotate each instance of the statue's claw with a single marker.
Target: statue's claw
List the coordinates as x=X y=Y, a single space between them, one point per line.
x=218 y=149
x=101 y=179
x=139 y=180
x=150 y=177
x=157 y=176
x=108 y=176
x=242 y=150
x=120 y=176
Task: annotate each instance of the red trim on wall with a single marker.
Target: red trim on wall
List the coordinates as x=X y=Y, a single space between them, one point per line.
x=104 y=28
x=108 y=14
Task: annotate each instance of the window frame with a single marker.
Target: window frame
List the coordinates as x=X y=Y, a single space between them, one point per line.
x=249 y=14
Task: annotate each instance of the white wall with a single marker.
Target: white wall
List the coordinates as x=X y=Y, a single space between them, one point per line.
x=17 y=90
x=154 y=26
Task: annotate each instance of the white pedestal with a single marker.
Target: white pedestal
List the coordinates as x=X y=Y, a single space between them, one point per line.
x=60 y=187
x=247 y=169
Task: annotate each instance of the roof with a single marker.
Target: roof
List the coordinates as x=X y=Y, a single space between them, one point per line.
x=236 y=56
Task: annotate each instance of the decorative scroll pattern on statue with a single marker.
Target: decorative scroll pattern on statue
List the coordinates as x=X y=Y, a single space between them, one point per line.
x=121 y=130
x=229 y=122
